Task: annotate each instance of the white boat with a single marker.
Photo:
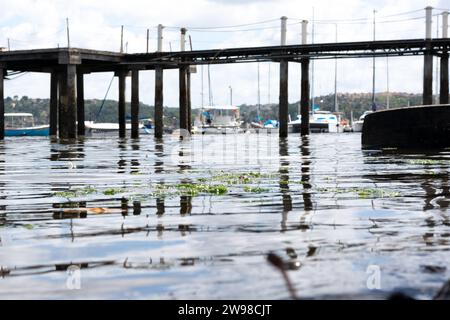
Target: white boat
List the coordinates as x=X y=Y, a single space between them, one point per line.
x=22 y=124
x=358 y=125
x=218 y=119
x=319 y=121
x=103 y=127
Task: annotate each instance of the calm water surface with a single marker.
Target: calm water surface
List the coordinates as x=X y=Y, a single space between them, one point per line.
x=196 y=219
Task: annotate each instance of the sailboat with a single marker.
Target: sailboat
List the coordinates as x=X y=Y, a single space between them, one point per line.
x=217 y=119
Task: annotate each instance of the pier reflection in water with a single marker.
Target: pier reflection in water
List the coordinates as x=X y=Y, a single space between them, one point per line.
x=167 y=218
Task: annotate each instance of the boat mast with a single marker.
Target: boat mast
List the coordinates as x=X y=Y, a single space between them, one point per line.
x=312 y=64
x=336 y=107
x=259 y=97
x=373 y=63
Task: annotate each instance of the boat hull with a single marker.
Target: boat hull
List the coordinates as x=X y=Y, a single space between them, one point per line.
x=425 y=127
x=40 y=131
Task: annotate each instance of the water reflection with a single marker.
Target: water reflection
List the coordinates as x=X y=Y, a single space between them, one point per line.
x=284 y=181
x=43 y=230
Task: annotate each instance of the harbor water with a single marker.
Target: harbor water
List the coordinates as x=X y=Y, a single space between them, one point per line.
x=106 y=218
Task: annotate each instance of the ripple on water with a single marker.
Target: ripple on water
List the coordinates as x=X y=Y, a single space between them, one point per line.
x=196 y=219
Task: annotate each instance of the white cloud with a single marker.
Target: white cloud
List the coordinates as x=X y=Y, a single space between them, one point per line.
x=96 y=24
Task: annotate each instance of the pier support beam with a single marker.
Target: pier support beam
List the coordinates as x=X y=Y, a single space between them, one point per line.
x=122 y=120
x=68 y=103
x=443 y=96
x=54 y=79
x=80 y=104
x=304 y=100
x=188 y=97
x=2 y=104
x=135 y=104
x=159 y=98
x=284 y=102
x=183 y=98
x=428 y=79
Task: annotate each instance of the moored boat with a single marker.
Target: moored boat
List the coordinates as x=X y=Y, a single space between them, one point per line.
x=22 y=124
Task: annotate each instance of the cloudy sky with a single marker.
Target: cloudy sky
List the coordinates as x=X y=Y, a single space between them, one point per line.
x=30 y=24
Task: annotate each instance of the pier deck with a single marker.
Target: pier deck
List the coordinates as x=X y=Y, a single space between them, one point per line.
x=68 y=65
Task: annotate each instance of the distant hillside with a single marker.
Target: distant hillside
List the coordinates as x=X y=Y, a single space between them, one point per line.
x=358 y=102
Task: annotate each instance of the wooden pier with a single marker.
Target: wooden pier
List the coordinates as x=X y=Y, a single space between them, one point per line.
x=68 y=66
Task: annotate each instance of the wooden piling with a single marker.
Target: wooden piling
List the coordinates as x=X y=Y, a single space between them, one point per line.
x=428 y=79
x=80 y=104
x=443 y=96
x=159 y=97
x=135 y=104
x=54 y=103
x=284 y=102
x=183 y=98
x=304 y=100
x=68 y=103
x=2 y=104
x=188 y=97
x=121 y=109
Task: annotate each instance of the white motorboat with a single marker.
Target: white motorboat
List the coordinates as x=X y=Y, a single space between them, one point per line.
x=218 y=119
x=358 y=125
x=320 y=121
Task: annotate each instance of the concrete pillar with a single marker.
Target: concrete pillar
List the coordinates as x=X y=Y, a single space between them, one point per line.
x=284 y=102
x=183 y=39
x=54 y=79
x=304 y=31
x=122 y=119
x=428 y=22
x=283 y=31
x=2 y=104
x=159 y=126
x=183 y=97
x=160 y=38
x=135 y=104
x=80 y=104
x=304 y=100
x=68 y=103
x=445 y=24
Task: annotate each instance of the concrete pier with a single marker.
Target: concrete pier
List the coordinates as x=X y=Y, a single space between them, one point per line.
x=135 y=104
x=284 y=102
x=159 y=97
x=304 y=100
x=80 y=104
x=54 y=79
x=122 y=120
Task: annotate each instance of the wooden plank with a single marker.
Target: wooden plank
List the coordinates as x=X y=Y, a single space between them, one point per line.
x=135 y=104
x=54 y=103
x=159 y=97
x=443 y=95
x=284 y=102
x=80 y=104
x=304 y=100
x=121 y=109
